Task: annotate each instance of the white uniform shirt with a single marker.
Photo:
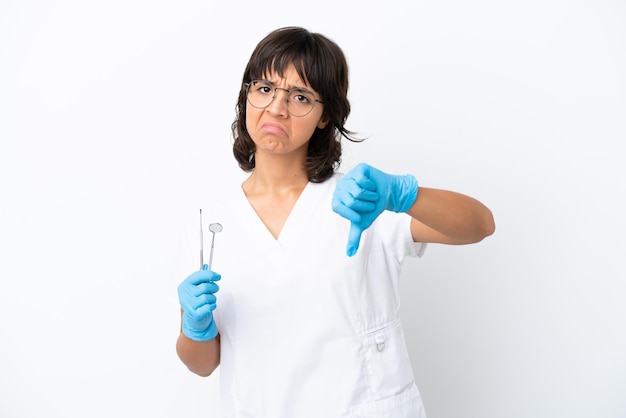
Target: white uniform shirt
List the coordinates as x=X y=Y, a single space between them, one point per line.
x=307 y=331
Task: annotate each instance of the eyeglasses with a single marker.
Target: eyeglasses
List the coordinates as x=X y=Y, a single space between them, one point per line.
x=300 y=102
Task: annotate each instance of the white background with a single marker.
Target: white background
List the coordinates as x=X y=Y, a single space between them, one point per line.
x=115 y=122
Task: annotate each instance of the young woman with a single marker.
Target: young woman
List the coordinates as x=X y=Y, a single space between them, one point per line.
x=306 y=322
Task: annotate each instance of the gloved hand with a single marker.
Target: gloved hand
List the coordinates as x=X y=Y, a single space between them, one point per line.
x=197 y=298
x=364 y=192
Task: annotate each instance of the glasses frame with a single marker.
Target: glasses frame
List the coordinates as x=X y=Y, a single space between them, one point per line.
x=288 y=91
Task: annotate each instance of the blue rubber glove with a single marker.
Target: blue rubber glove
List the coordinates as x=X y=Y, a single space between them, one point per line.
x=197 y=298
x=365 y=192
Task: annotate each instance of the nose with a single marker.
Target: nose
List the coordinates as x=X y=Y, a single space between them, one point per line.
x=279 y=103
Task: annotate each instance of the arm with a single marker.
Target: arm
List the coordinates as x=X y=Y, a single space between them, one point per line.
x=198 y=344
x=200 y=357
x=439 y=216
x=446 y=217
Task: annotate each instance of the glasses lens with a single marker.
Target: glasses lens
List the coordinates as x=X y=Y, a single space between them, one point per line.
x=260 y=94
x=300 y=102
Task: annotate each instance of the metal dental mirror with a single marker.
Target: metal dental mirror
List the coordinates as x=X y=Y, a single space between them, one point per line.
x=214 y=227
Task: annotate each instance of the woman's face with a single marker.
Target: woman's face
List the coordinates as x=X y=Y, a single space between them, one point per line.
x=273 y=129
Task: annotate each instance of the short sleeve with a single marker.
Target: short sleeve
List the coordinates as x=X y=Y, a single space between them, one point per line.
x=394 y=229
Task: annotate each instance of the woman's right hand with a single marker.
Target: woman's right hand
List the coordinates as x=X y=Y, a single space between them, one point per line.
x=197 y=299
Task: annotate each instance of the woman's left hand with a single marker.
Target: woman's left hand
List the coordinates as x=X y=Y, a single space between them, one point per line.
x=365 y=192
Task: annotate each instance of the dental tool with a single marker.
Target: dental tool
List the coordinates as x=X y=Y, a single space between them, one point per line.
x=214 y=227
x=201 y=243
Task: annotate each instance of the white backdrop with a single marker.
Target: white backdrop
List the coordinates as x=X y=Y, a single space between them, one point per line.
x=115 y=122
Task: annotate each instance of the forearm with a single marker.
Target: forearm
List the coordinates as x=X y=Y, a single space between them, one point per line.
x=459 y=219
x=200 y=357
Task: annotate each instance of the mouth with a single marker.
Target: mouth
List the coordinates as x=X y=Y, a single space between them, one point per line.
x=273 y=128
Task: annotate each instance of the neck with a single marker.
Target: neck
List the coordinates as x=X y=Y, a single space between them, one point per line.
x=276 y=175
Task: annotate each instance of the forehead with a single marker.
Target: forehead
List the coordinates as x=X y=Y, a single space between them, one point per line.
x=289 y=77
x=280 y=68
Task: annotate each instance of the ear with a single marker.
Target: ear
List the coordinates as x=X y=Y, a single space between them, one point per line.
x=323 y=122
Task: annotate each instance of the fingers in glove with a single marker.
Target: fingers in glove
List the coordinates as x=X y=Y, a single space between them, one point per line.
x=346 y=211
x=342 y=198
x=203 y=288
x=360 y=188
x=203 y=307
x=353 y=239
x=202 y=276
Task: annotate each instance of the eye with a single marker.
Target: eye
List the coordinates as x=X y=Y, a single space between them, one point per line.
x=302 y=97
x=263 y=88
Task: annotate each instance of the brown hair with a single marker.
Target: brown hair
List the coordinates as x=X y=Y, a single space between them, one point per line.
x=320 y=62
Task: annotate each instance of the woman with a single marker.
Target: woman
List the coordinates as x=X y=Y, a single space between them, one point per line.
x=306 y=326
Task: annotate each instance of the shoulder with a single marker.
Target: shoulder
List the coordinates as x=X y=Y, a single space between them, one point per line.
x=331 y=182
x=326 y=188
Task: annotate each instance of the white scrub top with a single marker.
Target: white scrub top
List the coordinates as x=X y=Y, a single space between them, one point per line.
x=307 y=331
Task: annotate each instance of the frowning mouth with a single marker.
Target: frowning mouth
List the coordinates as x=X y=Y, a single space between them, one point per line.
x=273 y=128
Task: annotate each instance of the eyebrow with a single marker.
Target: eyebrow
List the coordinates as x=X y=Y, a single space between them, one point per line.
x=290 y=86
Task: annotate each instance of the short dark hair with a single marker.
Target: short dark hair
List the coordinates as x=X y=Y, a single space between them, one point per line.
x=318 y=61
